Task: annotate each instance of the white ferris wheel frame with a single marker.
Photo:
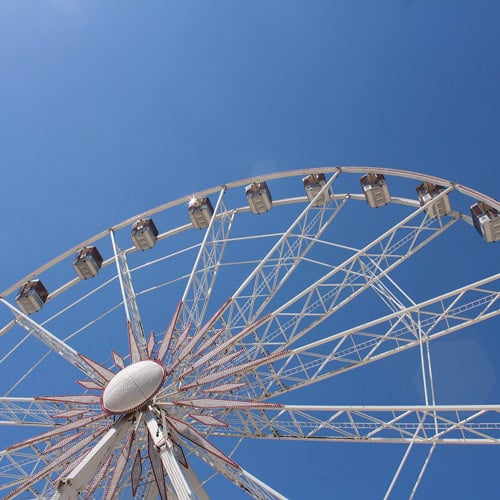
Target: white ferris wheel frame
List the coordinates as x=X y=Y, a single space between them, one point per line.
x=272 y=365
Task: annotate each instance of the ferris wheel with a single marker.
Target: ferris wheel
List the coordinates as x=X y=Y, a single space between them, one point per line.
x=297 y=306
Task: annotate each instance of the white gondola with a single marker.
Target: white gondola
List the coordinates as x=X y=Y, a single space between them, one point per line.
x=375 y=190
x=88 y=262
x=32 y=296
x=144 y=233
x=313 y=184
x=200 y=212
x=427 y=191
x=486 y=220
x=259 y=197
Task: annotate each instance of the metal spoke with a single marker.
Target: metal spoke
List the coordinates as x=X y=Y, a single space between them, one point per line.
x=273 y=271
x=238 y=476
x=422 y=470
x=334 y=290
x=467 y=424
x=297 y=240
x=80 y=477
x=401 y=464
x=348 y=280
x=206 y=266
x=54 y=343
x=129 y=299
x=32 y=412
x=265 y=305
x=386 y=336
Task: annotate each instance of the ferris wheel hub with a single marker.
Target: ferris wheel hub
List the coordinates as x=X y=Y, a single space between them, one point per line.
x=132 y=387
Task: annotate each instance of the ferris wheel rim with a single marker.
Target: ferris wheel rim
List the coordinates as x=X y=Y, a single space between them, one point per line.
x=297 y=408
x=408 y=174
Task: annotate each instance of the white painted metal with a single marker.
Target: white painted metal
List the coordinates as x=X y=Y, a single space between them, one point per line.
x=273 y=176
x=133 y=387
x=129 y=298
x=256 y=347
x=173 y=469
x=466 y=424
x=80 y=477
x=238 y=476
x=468 y=305
x=54 y=343
x=205 y=267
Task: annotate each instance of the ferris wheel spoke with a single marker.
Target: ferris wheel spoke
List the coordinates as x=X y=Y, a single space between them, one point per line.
x=99 y=476
x=129 y=300
x=26 y=464
x=88 y=471
x=205 y=269
x=226 y=363
x=272 y=272
x=119 y=468
x=386 y=336
x=237 y=475
x=345 y=282
x=54 y=343
x=17 y=466
x=433 y=424
x=395 y=299
x=74 y=449
x=31 y=412
x=309 y=308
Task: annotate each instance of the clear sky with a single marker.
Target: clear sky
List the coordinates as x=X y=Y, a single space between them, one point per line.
x=110 y=108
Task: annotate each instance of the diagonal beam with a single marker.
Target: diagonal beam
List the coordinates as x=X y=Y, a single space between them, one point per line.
x=119 y=468
x=204 y=272
x=237 y=475
x=442 y=315
x=54 y=343
x=345 y=282
x=129 y=299
x=81 y=476
x=273 y=271
x=62 y=459
x=335 y=289
x=31 y=412
x=266 y=280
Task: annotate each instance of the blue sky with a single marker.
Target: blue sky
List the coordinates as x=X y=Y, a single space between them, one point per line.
x=108 y=109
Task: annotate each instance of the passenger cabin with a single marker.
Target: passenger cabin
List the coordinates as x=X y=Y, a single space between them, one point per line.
x=313 y=184
x=32 y=296
x=88 y=262
x=375 y=190
x=259 y=198
x=427 y=192
x=486 y=220
x=144 y=234
x=200 y=212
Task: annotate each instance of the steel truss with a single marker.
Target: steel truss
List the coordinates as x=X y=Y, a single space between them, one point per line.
x=387 y=336
x=129 y=299
x=382 y=424
x=232 y=366
x=308 y=309
x=204 y=272
x=32 y=412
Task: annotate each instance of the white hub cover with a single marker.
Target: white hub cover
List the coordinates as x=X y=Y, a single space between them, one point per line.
x=133 y=386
